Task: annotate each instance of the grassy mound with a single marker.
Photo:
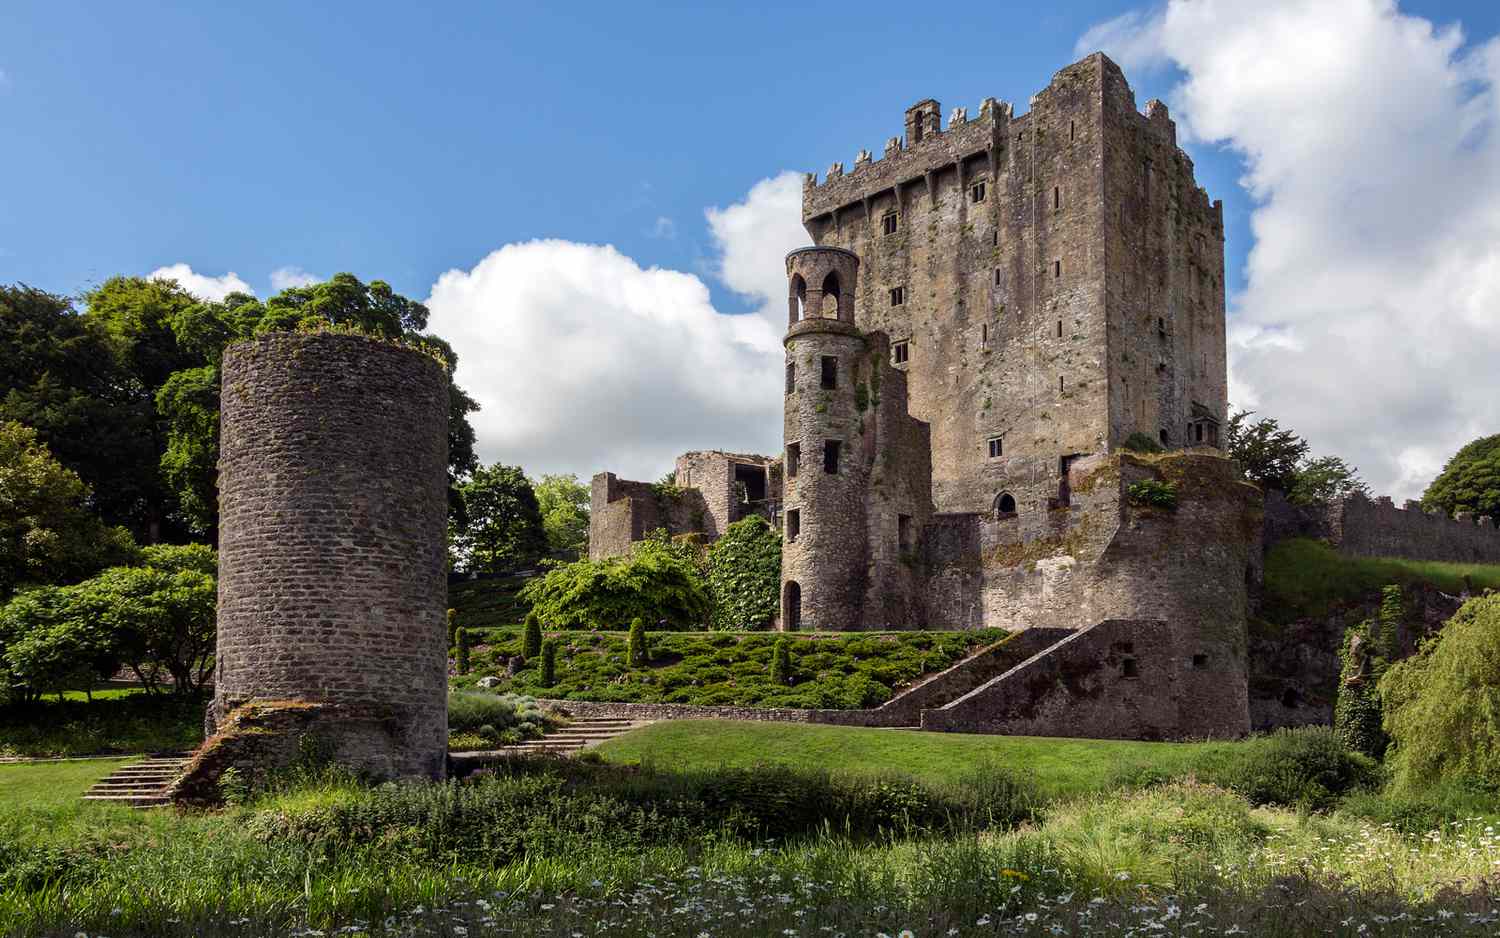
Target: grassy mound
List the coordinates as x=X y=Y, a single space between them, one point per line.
x=492 y=603
x=1307 y=579
x=840 y=671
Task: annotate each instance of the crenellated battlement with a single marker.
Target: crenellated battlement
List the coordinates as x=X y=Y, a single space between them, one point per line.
x=1377 y=528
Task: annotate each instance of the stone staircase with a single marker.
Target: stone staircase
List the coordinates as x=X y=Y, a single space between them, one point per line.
x=570 y=739
x=141 y=784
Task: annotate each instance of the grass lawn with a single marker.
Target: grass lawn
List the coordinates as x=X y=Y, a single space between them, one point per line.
x=1306 y=578
x=51 y=784
x=116 y=722
x=1062 y=767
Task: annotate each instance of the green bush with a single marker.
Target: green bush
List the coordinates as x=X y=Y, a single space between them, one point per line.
x=531 y=642
x=744 y=575
x=1305 y=767
x=462 y=662
x=781 y=662
x=549 y=662
x=1442 y=705
x=658 y=580
x=1152 y=492
x=638 y=654
x=480 y=719
x=1366 y=654
x=452 y=627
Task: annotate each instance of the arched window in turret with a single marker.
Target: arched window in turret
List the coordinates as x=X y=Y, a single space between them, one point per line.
x=797 y=301
x=830 y=308
x=1005 y=506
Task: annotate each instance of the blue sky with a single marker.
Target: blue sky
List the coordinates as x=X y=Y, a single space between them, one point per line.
x=400 y=142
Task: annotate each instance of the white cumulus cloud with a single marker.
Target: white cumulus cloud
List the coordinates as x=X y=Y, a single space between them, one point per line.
x=202 y=286
x=284 y=278
x=1370 y=319
x=584 y=360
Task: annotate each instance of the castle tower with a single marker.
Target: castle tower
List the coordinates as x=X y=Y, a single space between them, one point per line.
x=825 y=549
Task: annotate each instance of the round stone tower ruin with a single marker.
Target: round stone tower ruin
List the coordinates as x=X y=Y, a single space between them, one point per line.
x=332 y=585
x=824 y=555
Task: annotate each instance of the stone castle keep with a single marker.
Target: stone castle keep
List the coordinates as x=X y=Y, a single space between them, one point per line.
x=991 y=309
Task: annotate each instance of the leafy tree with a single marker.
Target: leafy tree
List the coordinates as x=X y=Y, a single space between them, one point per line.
x=1470 y=481
x=744 y=575
x=659 y=580
x=1326 y=479
x=189 y=404
x=60 y=376
x=1269 y=455
x=502 y=527
x=47 y=533
x=564 y=503
x=47 y=647
x=1442 y=705
x=462 y=660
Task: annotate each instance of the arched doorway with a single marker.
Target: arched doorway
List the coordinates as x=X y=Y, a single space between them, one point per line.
x=791 y=607
x=1005 y=506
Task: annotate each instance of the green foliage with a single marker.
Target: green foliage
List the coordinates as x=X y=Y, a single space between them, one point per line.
x=744 y=575
x=564 y=504
x=452 y=628
x=189 y=404
x=531 y=642
x=832 y=671
x=1326 y=479
x=781 y=662
x=659 y=580
x=1470 y=481
x=489 y=716
x=1139 y=442
x=462 y=658
x=638 y=654
x=1308 y=579
x=1306 y=767
x=1356 y=715
x=47 y=533
x=501 y=524
x=1153 y=492
x=549 y=663
x=1268 y=454
x=1442 y=705
x=113 y=721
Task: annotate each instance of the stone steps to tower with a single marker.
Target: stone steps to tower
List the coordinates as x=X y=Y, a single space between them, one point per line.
x=141 y=784
x=564 y=741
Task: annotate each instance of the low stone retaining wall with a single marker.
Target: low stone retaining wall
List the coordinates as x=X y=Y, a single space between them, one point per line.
x=665 y=711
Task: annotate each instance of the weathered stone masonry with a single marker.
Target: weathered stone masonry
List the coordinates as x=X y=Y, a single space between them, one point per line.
x=333 y=512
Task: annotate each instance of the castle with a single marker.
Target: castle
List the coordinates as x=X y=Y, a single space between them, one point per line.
x=991 y=312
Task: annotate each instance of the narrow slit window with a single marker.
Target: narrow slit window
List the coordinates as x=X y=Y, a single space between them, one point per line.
x=1059 y=328
x=898 y=296
x=793 y=459
x=997 y=276
x=1072 y=130
x=793 y=525
x=984 y=335
x=995 y=237
x=903 y=533
x=830 y=372
x=1056 y=198
x=831 y=456
x=976 y=192
x=791 y=377
x=1057 y=270
x=1059 y=382
x=899 y=353
x=888 y=223
x=997 y=447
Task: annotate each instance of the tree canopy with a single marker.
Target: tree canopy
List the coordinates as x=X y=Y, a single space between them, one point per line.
x=1274 y=457
x=564 y=503
x=500 y=525
x=47 y=532
x=744 y=575
x=659 y=580
x=1470 y=481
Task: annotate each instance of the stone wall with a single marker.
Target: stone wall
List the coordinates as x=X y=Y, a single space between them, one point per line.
x=1377 y=528
x=1116 y=679
x=333 y=517
x=622 y=512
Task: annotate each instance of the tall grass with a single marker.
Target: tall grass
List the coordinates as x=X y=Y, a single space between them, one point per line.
x=1305 y=578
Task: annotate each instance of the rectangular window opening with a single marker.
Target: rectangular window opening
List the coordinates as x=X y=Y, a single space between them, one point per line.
x=1057 y=270
x=898 y=296
x=1200 y=661
x=1059 y=328
x=888 y=223
x=899 y=353
x=997 y=447
x=793 y=459
x=830 y=372
x=1129 y=668
x=976 y=192
x=793 y=525
x=791 y=377
x=997 y=276
x=831 y=456
x=995 y=237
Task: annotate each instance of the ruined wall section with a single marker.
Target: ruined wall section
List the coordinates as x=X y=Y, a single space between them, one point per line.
x=622 y=512
x=333 y=515
x=712 y=474
x=1164 y=247
x=1377 y=528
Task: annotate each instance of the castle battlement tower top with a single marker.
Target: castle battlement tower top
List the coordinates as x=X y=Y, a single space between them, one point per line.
x=1051 y=283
